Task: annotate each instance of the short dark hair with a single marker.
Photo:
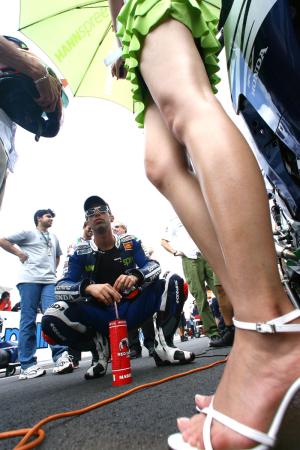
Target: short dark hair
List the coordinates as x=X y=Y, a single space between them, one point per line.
x=93 y=201
x=40 y=213
x=5 y=294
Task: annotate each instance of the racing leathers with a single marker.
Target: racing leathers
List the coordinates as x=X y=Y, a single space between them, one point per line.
x=82 y=269
x=77 y=320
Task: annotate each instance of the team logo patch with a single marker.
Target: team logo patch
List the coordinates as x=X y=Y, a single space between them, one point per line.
x=127 y=261
x=84 y=250
x=66 y=266
x=128 y=245
x=127 y=238
x=124 y=345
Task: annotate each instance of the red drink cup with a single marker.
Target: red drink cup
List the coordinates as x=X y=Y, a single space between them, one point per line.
x=120 y=357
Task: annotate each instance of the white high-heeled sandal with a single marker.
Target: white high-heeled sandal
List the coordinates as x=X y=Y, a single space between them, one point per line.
x=266 y=440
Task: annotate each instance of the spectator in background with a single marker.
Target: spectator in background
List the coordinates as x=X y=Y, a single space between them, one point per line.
x=39 y=252
x=226 y=308
x=83 y=240
x=189 y=321
x=147 y=328
x=86 y=237
x=197 y=321
x=5 y=303
x=16 y=307
x=181 y=326
x=214 y=306
x=119 y=228
x=192 y=317
x=196 y=270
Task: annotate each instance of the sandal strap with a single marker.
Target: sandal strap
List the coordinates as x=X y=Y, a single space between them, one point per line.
x=244 y=430
x=267 y=439
x=278 y=325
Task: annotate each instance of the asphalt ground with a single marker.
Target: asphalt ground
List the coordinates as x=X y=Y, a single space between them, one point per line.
x=140 y=421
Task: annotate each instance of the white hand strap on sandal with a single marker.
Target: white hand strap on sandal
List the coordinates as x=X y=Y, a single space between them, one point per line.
x=278 y=325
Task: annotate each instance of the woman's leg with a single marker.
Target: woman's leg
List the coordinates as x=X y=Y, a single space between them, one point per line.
x=235 y=197
x=167 y=168
x=230 y=179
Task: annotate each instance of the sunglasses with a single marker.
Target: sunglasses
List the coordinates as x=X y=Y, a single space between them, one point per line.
x=97 y=210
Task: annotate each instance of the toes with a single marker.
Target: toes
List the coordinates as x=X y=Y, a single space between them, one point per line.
x=191 y=430
x=203 y=401
x=183 y=423
x=195 y=431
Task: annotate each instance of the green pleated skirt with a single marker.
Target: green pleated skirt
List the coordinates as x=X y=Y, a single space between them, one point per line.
x=138 y=17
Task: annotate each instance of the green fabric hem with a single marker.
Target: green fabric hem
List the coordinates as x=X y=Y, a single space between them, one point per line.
x=137 y=18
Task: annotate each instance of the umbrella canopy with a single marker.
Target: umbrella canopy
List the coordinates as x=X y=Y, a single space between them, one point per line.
x=77 y=36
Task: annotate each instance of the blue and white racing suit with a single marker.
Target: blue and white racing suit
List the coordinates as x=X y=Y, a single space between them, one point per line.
x=74 y=319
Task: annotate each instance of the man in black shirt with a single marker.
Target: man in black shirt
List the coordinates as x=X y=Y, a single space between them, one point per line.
x=147 y=328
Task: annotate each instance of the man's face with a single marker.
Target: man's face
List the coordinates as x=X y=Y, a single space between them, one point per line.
x=46 y=220
x=87 y=233
x=119 y=229
x=209 y=294
x=99 y=219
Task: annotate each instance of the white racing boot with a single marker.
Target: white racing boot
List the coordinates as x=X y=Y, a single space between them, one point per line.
x=166 y=354
x=166 y=323
x=100 y=358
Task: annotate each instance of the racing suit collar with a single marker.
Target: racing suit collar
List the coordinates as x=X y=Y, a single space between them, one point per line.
x=117 y=243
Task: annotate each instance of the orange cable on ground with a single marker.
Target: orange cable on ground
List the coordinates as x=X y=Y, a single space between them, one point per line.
x=36 y=429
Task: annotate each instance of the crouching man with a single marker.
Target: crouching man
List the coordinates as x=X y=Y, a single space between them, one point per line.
x=113 y=269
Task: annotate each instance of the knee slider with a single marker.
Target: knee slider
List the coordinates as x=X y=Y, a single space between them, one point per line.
x=57 y=309
x=53 y=330
x=68 y=314
x=48 y=339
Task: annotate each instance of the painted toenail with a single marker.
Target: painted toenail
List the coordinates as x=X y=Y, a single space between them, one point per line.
x=182 y=420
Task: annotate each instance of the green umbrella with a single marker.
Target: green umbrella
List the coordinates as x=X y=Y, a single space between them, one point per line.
x=77 y=36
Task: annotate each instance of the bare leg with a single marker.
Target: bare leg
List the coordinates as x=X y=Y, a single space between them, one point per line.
x=167 y=168
x=238 y=209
